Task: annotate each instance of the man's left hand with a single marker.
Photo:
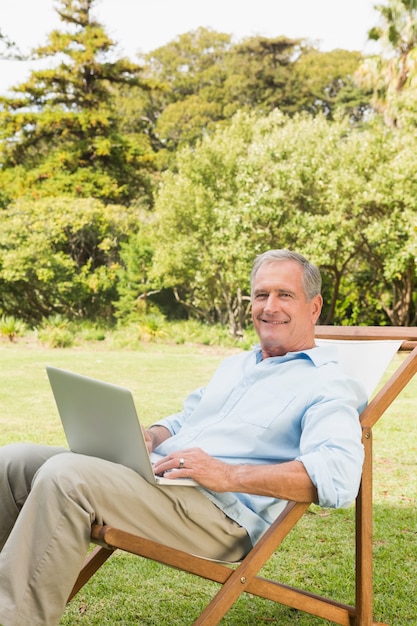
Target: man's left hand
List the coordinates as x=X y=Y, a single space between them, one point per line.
x=197 y=464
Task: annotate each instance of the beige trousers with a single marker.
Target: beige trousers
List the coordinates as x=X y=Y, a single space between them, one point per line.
x=48 y=499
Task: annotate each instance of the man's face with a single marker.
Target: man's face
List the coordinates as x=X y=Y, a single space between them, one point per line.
x=284 y=320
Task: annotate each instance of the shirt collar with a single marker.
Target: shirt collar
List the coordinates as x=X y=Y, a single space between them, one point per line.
x=318 y=355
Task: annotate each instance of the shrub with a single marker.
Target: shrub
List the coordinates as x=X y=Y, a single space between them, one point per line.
x=56 y=332
x=10 y=327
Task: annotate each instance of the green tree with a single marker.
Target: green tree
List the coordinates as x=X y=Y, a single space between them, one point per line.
x=202 y=79
x=60 y=132
x=259 y=73
x=392 y=74
x=61 y=256
x=324 y=82
x=233 y=196
x=188 y=74
x=133 y=285
x=335 y=193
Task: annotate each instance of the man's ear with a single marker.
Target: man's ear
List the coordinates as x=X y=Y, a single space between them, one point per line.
x=317 y=305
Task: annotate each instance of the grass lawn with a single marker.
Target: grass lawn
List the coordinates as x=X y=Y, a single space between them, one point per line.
x=319 y=552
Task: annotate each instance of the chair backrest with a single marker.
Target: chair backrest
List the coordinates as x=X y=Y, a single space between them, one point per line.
x=365 y=360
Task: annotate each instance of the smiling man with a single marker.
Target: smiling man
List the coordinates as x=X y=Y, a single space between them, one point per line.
x=277 y=423
x=286 y=302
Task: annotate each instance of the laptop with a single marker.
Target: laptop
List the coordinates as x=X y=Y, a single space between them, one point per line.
x=100 y=419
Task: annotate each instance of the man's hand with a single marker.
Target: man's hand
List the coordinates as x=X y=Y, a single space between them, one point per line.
x=155 y=435
x=197 y=464
x=148 y=439
x=287 y=481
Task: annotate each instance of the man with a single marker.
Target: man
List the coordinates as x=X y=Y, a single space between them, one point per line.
x=279 y=422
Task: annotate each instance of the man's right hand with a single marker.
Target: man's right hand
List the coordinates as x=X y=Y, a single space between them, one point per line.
x=148 y=439
x=155 y=435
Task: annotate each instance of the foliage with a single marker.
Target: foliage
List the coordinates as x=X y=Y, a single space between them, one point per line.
x=56 y=332
x=60 y=132
x=326 y=83
x=392 y=75
x=11 y=327
x=202 y=79
x=219 y=150
x=343 y=197
x=133 y=284
x=61 y=256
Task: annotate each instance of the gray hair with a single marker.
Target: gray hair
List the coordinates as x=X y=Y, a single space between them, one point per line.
x=311 y=273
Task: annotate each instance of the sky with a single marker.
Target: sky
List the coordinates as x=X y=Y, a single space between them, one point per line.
x=144 y=25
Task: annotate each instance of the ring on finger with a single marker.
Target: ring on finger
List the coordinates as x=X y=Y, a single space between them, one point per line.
x=181 y=463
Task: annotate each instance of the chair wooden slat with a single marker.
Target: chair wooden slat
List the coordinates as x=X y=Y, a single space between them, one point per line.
x=407 y=334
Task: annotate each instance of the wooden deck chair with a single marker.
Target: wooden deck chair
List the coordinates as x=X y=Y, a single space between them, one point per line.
x=243 y=577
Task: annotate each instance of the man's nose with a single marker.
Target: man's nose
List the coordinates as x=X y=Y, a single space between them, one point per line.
x=272 y=303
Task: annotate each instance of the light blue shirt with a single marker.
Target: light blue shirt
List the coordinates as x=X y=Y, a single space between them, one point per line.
x=298 y=406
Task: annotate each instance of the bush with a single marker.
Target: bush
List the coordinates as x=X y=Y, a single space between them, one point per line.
x=10 y=327
x=56 y=332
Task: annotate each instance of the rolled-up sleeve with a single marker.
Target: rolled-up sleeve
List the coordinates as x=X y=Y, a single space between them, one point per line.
x=331 y=447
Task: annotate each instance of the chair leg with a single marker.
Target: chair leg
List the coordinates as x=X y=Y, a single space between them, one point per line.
x=364 y=607
x=93 y=562
x=242 y=576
